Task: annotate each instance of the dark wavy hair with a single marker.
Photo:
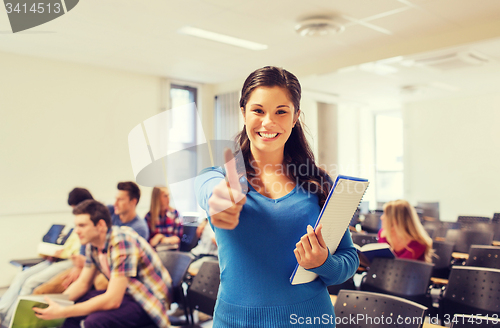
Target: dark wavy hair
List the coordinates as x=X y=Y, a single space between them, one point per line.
x=131 y=188
x=78 y=195
x=96 y=210
x=298 y=155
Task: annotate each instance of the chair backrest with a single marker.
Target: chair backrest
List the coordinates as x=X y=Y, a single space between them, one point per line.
x=177 y=264
x=398 y=277
x=472 y=219
x=473 y=321
x=443 y=251
x=472 y=290
x=496 y=218
x=495 y=227
x=476 y=226
x=430 y=209
x=189 y=239
x=202 y=294
x=463 y=239
x=432 y=228
x=361 y=239
x=372 y=307
x=431 y=231
x=443 y=227
x=372 y=222
x=484 y=256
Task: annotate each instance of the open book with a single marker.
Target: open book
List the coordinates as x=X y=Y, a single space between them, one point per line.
x=335 y=216
x=368 y=252
x=24 y=316
x=54 y=239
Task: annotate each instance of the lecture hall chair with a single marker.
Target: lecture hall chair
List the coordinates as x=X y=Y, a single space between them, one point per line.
x=365 y=305
x=429 y=209
x=484 y=256
x=471 y=290
x=442 y=259
x=463 y=239
x=399 y=277
x=372 y=222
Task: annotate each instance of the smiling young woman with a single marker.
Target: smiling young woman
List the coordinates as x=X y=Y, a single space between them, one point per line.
x=263 y=234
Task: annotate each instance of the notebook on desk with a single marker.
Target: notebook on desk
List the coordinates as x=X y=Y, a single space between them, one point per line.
x=340 y=205
x=54 y=240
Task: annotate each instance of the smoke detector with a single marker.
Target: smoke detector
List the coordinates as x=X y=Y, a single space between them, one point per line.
x=318 y=26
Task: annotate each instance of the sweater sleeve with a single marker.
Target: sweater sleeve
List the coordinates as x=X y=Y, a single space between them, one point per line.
x=380 y=238
x=340 y=265
x=413 y=252
x=204 y=184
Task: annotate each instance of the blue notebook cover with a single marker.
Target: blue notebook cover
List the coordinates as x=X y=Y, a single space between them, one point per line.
x=53 y=234
x=368 y=252
x=340 y=206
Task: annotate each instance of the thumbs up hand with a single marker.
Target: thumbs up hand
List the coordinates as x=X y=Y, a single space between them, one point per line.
x=226 y=202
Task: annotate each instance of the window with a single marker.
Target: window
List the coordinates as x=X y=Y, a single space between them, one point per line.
x=182 y=135
x=389 y=156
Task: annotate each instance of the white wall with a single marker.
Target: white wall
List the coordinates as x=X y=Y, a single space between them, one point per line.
x=356 y=156
x=452 y=154
x=62 y=125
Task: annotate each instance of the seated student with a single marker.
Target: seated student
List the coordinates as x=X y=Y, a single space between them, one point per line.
x=164 y=223
x=401 y=228
x=123 y=213
x=137 y=294
x=27 y=280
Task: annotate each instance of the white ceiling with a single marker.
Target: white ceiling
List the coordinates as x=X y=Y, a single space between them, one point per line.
x=386 y=89
x=141 y=36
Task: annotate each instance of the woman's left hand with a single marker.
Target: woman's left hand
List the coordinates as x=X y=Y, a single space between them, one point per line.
x=311 y=251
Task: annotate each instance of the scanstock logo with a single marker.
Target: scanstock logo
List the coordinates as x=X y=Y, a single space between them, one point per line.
x=157 y=148
x=25 y=14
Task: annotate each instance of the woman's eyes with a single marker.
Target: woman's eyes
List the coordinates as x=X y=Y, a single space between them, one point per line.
x=260 y=111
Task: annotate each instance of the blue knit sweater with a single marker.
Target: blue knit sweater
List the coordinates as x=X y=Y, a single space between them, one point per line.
x=256 y=261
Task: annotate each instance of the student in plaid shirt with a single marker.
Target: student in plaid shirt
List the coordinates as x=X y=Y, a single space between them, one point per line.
x=137 y=293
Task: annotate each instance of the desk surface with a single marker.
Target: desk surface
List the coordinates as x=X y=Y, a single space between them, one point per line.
x=439 y=281
x=460 y=256
x=430 y=325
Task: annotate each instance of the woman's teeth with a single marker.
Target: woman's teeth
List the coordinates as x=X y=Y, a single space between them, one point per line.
x=267 y=135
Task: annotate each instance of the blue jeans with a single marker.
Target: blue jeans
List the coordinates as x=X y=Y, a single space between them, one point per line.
x=24 y=283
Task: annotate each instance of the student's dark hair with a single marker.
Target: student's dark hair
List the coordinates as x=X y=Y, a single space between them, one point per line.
x=78 y=195
x=298 y=156
x=96 y=210
x=132 y=188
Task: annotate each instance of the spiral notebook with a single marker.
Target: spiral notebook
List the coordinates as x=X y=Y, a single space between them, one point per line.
x=335 y=216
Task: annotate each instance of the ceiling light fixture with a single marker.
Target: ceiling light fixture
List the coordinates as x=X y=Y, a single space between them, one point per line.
x=204 y=34
x=318 y=26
